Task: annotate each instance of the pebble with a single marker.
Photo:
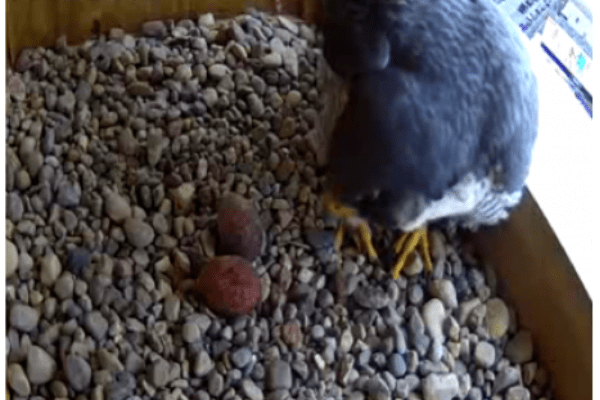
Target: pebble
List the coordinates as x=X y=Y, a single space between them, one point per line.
x=183 y=73
x=142 y=89
x=203 y=364
x=34 y=163
x=272 y=60
x=16 y=87
x=155 y=29
x=215 y=383
x=78 y=371
x=182 y=198
x=96 y=325
x=518 y=393
x=69 y=195
x=519 y=349
x=41 y=367
x=440 y=387
x=64 y=286
x=279 y=375
x=397 y=365
x=12 y=258
x=211 y=97
x=506 y=378
x=190 y=332
x=465 y=308
x=172 y=307
x=346 y=341
x=158 y=373
x=79 y=260
x=50 y=269
x=288 y=128
x=433 y=317
x=255 y=105
x=66 y=102
x=475 y=394
x=218 y=71
x=444 y=290
x=485 y=354
x=117 y=208
x=139 y=234
x=154 y=146
x=293 y=98
x=317 y=332
x=289 y=25
x=377 y=389
x=415 y=294
x=497 y=318
x=250 y=390
x=14 y=207
x=121 y=387
x=109 y=361
x=15 y=375
x=23 y=317
x=371 y=297
x=415 y=268
x=241 y=357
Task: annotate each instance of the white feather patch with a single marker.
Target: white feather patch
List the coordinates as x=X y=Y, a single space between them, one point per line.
x=471 y=202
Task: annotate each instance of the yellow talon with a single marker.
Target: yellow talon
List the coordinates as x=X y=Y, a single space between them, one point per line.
x=333 y=206
x=339 y=237
x=408 y=243
x=365 y=240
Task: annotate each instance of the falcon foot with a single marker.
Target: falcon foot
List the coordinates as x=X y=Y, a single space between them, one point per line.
x=363 y=237
x=408 y=243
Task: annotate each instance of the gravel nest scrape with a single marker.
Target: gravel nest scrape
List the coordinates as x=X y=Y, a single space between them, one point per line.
x=117 y=152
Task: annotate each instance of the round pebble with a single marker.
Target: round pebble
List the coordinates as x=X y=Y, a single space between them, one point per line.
x=96 y=325
x=251 y=391
x=12 y=258
x=117 y=208
x=50 y=269
x=190 y=332
x=485 y=354
x=444 y=290
x=397 y=365
x=23 y=317
x=497 y=318
x=64 y=286
x=279 y=375
x=519 y=349
x=440 y=386
x=139 y=234
x=78 y=371
x=241 y=357
x=203 y=364
x=78 y=260
x=41 y=367
x=433 y=317
x=15 y=375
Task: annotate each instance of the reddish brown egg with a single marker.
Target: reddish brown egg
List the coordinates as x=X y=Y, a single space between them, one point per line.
x=229 y=285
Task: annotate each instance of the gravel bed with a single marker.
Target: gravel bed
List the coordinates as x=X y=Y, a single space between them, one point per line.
x=118 y=151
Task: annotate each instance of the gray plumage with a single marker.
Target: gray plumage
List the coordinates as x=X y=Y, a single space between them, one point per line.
x=442 y=113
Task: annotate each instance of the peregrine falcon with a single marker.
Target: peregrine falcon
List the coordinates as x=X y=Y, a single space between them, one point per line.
x=441 y=118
